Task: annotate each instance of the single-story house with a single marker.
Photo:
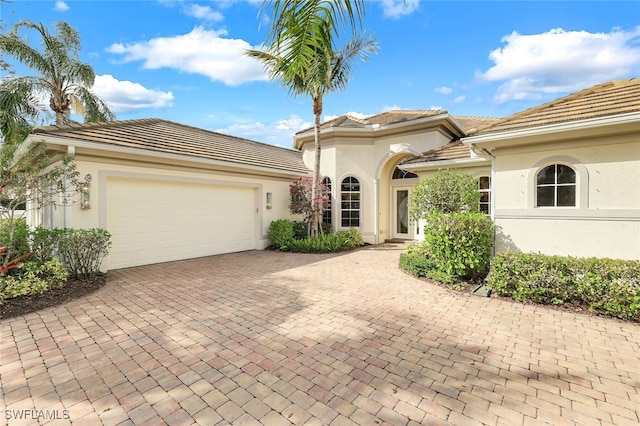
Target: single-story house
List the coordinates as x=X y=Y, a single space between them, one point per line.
x=560 y=178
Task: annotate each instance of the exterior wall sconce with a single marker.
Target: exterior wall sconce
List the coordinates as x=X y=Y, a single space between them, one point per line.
x=269 y=200
x=85 y=195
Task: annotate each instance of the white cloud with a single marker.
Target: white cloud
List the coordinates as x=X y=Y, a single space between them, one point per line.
x=444 y=90
x=532 y=66
x=459 y=99
x=205 y=52
x=126 y=96
x=396 y=9
x=279 y=133
x=202 y=12
x=61 y=6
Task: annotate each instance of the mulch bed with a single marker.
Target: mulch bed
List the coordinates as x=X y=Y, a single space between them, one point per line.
x=71 y=290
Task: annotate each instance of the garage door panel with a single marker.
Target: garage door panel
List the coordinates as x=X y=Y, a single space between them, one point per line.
x=157 y=221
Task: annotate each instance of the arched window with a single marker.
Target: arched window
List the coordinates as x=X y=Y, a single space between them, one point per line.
x=350 y=203
x=398 y=173
x=484 y=187
x=326 y=214
x=556 y=186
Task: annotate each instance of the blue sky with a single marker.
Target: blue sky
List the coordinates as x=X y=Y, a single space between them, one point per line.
x=183 y=61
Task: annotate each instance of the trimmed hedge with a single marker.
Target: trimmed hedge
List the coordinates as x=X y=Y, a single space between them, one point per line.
x=419 y=265
x=599 y=284
x=287 y=235
x=460 y=243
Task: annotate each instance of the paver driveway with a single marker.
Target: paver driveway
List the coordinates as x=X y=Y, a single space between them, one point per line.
x=273 y=338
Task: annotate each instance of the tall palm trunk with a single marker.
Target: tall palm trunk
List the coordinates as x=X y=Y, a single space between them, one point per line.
x=315 y=212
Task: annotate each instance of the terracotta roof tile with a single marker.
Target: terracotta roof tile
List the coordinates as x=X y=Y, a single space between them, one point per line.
x=452 y=151
x=469 y=123
x=606 y=99
x=382 y=119
x=158 y=135
x=400 y=116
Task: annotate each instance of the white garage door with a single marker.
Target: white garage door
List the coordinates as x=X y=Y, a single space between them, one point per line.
x=158 y=221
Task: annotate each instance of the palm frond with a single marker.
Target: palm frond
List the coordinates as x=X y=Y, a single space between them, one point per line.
x=62 y=76
x=94 y=108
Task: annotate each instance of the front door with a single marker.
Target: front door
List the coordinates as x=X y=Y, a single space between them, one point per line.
x=403 y=225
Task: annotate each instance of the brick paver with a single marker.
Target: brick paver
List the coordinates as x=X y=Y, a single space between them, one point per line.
x=275 y=338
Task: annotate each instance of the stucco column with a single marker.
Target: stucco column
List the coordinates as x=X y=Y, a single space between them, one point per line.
x=376 y=212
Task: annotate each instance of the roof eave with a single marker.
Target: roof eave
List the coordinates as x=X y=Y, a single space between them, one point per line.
x=551 y=132
x=374 y=130
x=161 y=156
x=439 y=164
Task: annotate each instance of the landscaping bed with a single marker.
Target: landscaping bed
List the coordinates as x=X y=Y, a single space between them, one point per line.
x=71 y=290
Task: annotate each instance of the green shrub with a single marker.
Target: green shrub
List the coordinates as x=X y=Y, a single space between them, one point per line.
x=460 y=243
x=354 y=236
x=445 y=191
x=300 y=230
x=327 y=243
x=608 y=285
x=18 y=243
x=419 y=247
x=419 y=265
x=82 y=250
x=287 y=235
x=416 y=264
x=44 y=243
x=281 y=233
x=33 y=278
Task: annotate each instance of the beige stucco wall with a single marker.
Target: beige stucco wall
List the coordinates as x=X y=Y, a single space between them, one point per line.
x=618 y=239
x=606 y=220
x=101 y=169
x=371 y=159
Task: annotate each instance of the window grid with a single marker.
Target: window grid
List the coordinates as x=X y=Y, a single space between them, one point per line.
x=484 y=187
x=556 y=186
x=350 y=203
x=326 y=214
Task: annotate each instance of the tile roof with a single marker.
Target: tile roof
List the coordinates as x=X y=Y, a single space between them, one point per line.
x=382 y=119
x=606 y=99
x=452 y=151
x=400 y=116
x=156 y=135
x=468 y=123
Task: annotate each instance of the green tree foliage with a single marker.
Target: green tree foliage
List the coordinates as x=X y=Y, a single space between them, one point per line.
x=60 y=74
x=458 y=240
x=302 y=55
x=445 y=191
x=29 y=180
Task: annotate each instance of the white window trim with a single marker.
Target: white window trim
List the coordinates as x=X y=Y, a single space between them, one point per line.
x=582 y=182
x=489 y=191
x=339 y=192
x=332 y=199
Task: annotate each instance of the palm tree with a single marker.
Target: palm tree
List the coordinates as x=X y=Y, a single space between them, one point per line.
x=302 y=56
x=18 y=109
x=62 y=76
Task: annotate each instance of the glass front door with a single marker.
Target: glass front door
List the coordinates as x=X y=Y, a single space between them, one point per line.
x=402 y=223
